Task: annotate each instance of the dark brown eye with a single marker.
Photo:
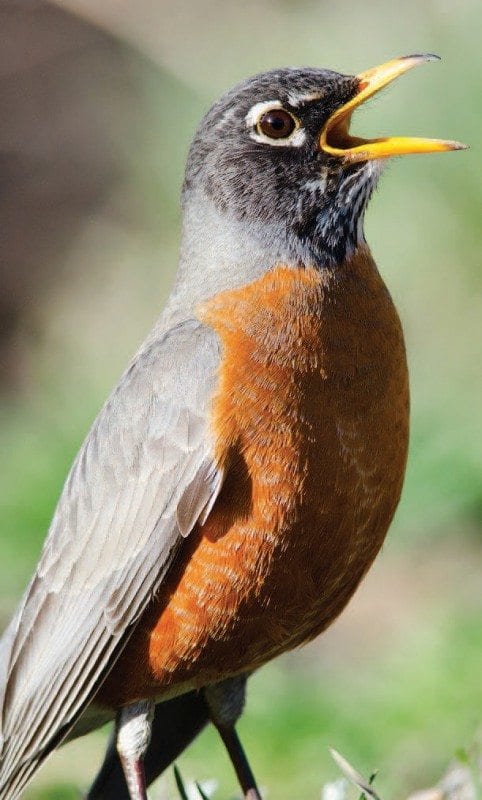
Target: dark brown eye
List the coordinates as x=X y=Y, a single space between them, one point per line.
x=277 y=124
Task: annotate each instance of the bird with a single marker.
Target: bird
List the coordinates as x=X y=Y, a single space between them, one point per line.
x=240 y=479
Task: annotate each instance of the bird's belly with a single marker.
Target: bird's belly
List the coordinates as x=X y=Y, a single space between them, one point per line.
x=314 y=454
x=276 y=576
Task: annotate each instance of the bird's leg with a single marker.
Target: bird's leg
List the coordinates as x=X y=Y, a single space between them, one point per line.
x=225 y=702
x=133 y=734
x=235 y=749
x=176 y=723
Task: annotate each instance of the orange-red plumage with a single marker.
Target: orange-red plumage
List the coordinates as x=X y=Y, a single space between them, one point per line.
x=310 y=423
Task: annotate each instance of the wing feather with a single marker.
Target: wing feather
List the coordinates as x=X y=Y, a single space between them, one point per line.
x=142 y=479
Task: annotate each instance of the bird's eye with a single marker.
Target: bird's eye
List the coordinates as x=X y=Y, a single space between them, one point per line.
x=276 y=124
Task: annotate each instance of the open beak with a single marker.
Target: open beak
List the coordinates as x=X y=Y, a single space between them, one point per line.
x=336 y=140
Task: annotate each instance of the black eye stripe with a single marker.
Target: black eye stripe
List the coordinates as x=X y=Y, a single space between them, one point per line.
x=277 y=123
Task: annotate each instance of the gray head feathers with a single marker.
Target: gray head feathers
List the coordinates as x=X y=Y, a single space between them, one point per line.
x=250 y=201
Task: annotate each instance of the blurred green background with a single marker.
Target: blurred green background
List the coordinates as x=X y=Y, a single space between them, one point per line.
x=100 y=105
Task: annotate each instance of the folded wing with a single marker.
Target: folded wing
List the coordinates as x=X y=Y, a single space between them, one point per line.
x=142 y=479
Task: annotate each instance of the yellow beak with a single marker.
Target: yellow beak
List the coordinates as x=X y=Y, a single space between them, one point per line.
x=336 y=140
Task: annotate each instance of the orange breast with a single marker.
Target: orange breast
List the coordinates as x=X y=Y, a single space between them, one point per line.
x=310 y=422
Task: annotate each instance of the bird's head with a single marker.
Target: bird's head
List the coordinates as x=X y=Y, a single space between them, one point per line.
x=274 y=173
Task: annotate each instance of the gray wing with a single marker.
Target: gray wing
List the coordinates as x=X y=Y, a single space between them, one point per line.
x=142 y=479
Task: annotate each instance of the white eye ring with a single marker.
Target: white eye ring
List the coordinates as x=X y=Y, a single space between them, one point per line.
x=295 y=139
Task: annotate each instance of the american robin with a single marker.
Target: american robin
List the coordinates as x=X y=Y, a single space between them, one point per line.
x=241 y=478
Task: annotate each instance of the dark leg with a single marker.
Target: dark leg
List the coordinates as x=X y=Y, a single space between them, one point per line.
x=225 y=702
x=176 y=723
x=240 y=763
